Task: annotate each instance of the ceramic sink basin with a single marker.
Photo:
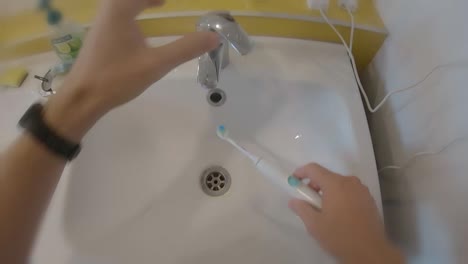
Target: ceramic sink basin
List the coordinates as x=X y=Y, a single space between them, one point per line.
x=134 y=194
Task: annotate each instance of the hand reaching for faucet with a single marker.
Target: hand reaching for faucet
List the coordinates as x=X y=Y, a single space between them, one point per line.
x=115 y=65
x=348 y=226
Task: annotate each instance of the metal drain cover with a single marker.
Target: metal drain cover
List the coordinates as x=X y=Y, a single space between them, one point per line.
x=216 y=97
x=215 y=181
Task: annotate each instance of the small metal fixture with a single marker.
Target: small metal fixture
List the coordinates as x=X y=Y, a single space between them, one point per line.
x=215 y=181
x=231 y=34
x=216 y=97
x=47 y=80
x=46 y=83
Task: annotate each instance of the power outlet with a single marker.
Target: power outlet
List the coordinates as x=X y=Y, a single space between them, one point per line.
x=318 y=4
x=352 y=5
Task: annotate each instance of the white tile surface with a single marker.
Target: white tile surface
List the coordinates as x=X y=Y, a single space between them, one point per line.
x=424 y=204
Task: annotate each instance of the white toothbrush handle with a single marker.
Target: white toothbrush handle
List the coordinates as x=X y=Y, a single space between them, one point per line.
x=309 y=195
x=280 y=179
x=277 y=175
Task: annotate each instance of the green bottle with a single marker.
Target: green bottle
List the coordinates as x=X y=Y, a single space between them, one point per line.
x=67 y=37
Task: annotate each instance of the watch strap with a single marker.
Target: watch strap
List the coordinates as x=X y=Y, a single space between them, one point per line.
x=33 y=122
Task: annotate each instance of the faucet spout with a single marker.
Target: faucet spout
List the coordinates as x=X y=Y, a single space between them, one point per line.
x=231 y=33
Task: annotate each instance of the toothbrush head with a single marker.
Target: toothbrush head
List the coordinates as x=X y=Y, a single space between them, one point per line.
x=221 y=132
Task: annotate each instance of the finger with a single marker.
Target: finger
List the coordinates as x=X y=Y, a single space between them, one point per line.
x=309 y=216
x=320 y=177
x=184 y=49
x=312 y=185
x=315 y=187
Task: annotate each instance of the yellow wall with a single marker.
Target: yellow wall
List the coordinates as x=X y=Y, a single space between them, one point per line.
x=26 y=32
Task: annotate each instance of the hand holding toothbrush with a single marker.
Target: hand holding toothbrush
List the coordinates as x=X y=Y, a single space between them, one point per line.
x=348 y=226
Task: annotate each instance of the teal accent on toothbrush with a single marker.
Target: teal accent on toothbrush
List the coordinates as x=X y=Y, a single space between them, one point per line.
x=221 y=129
x=293 y=181
x=223 y=134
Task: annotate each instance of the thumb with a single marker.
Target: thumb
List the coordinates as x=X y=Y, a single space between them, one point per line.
x=309 y=216
x=184 y=49
x=318 y=175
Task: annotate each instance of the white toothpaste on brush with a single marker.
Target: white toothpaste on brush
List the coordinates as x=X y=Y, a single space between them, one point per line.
x=286 y=182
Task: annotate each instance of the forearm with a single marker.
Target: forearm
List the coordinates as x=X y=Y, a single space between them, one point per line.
x=384 y=254
x=29 y=173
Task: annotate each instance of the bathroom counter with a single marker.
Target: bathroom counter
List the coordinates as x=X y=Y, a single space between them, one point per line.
x=53 y=245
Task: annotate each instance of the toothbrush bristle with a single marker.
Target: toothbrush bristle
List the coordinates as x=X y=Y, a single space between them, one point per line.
x=221 y=130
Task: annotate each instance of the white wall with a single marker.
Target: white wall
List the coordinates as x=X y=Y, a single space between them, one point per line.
x=426 y=204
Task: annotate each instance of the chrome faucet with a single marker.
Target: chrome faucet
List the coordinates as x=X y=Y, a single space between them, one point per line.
x=211 y=63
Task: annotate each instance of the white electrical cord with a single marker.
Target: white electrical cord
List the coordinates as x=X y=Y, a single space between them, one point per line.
x=460 y=63
x=420 y=154
x=353 y=62
x=351 y=34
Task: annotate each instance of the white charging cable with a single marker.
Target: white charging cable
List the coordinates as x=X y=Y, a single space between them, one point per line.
x=351 y=57
x=351 y=34
x=456 y=64
x=420 y=154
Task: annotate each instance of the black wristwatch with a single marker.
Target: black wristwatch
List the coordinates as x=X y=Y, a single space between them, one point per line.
x=33 y=122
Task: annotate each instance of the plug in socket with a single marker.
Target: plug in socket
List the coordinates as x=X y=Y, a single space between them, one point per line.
x=318 y=4
x=352 y=5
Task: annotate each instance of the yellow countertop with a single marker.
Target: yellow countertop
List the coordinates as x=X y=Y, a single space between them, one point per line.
x=26 y=32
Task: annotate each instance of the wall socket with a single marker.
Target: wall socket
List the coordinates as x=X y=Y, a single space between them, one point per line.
x=318 y=4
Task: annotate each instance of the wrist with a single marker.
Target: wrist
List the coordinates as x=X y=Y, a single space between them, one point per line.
x=383 y=253
x=73 y=111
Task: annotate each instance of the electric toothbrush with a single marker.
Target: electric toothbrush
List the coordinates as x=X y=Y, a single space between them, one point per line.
x=287 y=182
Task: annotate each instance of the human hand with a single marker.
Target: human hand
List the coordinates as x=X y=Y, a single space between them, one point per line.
x=348 y=226
x=115 y=65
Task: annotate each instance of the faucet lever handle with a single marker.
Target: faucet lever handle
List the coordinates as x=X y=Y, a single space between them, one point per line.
x=226 y=26
x=231 y=33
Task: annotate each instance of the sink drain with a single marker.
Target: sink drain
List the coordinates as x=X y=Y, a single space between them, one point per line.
x=216 y=97
x=215 y=181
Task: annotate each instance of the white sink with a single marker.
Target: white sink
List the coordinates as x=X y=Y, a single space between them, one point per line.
x=134 y=196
